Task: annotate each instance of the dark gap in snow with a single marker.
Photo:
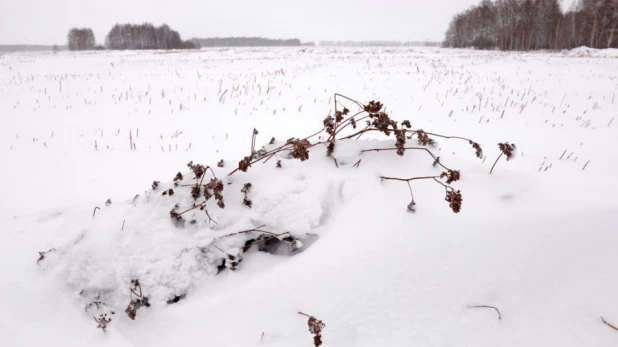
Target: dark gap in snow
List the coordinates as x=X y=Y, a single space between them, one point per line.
x=176 y=299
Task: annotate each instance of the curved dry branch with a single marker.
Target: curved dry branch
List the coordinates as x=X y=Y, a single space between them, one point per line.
x=487 y=306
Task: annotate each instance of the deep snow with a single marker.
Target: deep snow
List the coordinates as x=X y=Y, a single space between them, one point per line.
x=537 y=238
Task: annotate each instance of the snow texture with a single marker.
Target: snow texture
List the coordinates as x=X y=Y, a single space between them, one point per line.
x=536 y=239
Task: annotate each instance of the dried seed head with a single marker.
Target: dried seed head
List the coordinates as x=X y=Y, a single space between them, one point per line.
x=195 y=191
x=330 y=148
x=279 y=164
x=300 y=149
x=477 y=148
x=272 y=141
x=507 y=149
x=373 y=107
x=411 y=207
x=406 y=123
x=401 y=141
x=246 y=188
x=329 y=124
x=221 y=163
x=155 y=184
x=423 y=138
x=451 y=176
x=244 y=164
x=338 y=116
x=178 y=177
x=454 y=199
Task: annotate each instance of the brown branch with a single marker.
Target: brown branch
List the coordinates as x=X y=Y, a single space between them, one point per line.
x=609 y=324
x=304 y=314
x=336 y=164
x=359 y=133
x=409 y=179
x=192 y=208
x=354 y=101
x=95 y=211
x=496 y=162
x=347 y=122
x=357 y=164
x=449 y=137
x=486 y=306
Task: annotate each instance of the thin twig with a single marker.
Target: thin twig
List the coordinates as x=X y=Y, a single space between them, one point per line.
x=496 y=162
x=486 y=306
x=609 y=325
x=95 y=211
x=121 y=229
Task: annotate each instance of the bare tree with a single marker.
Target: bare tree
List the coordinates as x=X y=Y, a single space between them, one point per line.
x=535 y=24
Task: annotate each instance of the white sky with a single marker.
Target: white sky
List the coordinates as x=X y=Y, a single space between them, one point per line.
x=48 y=21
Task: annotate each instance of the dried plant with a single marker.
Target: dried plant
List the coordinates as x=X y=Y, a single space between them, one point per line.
x=42 y=255
x=195 y=192
x=477 y=148
x=244 y=164
x=102 y=321
x=221 y=163
x=454 y=199
x=315 y=328
x=423 y=138
x=299 y=149
x=245 y=190
x=155 y=184
x=505 y=149
x=169 y=192
x=177 y=179
x=278 y=164
x=197 y=169
x=451 y=176
x=138 y=302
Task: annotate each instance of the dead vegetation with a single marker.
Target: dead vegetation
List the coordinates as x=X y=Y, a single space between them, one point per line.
x=315 y=328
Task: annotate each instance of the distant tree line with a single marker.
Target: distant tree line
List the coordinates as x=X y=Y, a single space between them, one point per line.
x=244 y=42
x=535 y=24
x=130 y=36
x=145 y=36
x=378 y=43
x=80 y=39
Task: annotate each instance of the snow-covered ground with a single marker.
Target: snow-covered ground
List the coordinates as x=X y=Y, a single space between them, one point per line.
x=537 y=239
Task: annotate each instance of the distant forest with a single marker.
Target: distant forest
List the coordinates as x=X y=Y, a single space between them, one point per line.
x=129 y=36
x=524 y=25
x=145 y=36
x=379 y=43
x=244 y=42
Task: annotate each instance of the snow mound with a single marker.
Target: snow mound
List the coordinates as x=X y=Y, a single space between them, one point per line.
x=166 y=240
x=584 y=51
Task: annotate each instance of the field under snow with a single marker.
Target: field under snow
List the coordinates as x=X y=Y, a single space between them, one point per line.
x=537 y=239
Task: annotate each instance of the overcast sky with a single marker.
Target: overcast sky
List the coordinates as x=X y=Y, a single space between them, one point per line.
x=48 y=21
